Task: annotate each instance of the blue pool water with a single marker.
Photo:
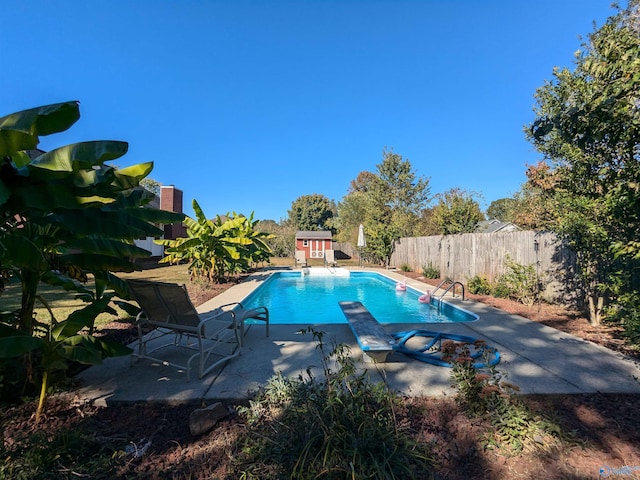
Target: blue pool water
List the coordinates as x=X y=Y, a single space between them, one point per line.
x=293 y=298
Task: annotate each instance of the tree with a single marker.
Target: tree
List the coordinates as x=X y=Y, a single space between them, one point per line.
x=312 y=212
x=66 y=214
x=457 y=212
x=587 y=126
x=388 y=203
x=399 y=189
x=502 y=209
x=282 y=237
x=533 y=206
x=151 y=185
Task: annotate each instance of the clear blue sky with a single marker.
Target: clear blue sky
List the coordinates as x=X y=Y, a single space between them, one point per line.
x=247 y=105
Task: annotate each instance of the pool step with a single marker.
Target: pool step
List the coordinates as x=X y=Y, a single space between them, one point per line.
x=375 y=342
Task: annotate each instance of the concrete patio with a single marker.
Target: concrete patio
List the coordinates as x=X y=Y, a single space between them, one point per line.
x=537 y=358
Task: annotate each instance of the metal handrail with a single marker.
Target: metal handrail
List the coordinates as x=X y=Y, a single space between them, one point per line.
x=453 y=285
x=446 y=280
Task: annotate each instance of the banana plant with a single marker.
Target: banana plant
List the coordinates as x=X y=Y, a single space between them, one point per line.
x=67 y=214
x=217 y=248
x=63 y=343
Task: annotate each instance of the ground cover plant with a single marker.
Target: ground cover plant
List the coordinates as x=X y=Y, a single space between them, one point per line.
x=74 y=440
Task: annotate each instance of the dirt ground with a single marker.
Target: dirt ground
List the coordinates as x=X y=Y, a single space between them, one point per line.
x=605 y=433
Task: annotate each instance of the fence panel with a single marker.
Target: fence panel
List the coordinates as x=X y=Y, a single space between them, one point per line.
x=461 y=257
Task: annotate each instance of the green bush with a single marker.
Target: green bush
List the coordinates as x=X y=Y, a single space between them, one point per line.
x=625 y=311
x=430 y=271
x=342 y=427
x=519 y=283
x=406 y=267
x=479 y=285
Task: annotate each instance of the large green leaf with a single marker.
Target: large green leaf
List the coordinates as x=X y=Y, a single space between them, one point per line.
x=60 y=280
x=91 y=350
x=129 y=177
x=95 y=178
x=20 y=130
x=92 y=261
x=14 y=343
x=134 y=198
x=77 y=156
x=20 y=252
x=79 y=348
x=118 y=285
x=132 y=309
x=110 y=224
x=106 y=246
x=153 y=215
x=50 y=196
x=20 y=159
x=79 y=319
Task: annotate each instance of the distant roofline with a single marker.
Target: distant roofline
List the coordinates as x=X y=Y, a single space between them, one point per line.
x=316 y=234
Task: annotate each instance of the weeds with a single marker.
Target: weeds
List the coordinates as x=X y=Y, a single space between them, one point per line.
x=487 y=396
x=429 y=271
x=68 y=454
x=341 y=427
x=479 y=285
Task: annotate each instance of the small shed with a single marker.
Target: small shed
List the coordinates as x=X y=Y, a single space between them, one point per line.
x=314 y=243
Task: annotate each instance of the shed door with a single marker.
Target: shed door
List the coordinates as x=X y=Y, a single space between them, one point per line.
x=317 y=249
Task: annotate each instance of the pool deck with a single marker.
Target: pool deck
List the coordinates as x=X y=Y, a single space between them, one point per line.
x=536 y=358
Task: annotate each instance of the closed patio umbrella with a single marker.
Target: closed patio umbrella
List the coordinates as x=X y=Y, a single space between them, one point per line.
x=361 y=242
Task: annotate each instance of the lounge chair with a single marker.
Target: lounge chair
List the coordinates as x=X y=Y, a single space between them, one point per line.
x=301 y=258
x=242 y=314
x=168 y=311
x=330 y=258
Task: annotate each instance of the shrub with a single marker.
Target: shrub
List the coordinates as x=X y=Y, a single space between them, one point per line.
x=479 y=285
x=342 y=427
x=520 y=283
x=625 y=310
x=430 y=271
x=406 y=267
x=486 y=396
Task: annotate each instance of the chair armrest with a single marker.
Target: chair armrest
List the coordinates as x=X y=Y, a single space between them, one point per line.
x=215 y=322
x=229 y=305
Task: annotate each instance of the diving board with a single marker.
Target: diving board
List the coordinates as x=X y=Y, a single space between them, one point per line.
x=375 y=342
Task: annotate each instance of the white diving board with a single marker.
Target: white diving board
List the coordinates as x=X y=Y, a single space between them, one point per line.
x=375 y=342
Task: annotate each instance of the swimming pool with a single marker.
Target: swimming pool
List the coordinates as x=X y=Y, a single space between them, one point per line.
x=295 y=298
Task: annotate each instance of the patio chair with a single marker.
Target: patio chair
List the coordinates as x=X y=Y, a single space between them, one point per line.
x=330 y=258
x=301 y=258
x=242 y=314
x=167 y=311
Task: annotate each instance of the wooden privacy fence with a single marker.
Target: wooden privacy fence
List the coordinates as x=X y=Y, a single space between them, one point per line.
x=463 y=256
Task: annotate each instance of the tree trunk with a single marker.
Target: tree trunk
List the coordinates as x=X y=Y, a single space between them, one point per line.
x=596 y=306
x=30 y=283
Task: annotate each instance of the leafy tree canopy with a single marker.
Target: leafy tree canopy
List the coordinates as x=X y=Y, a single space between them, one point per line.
x=502 y=209
x=587 y=126
x=312 y=212
x=457 y=212
x=388 y=203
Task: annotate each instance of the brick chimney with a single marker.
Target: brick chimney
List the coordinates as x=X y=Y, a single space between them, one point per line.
x=171 y=201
